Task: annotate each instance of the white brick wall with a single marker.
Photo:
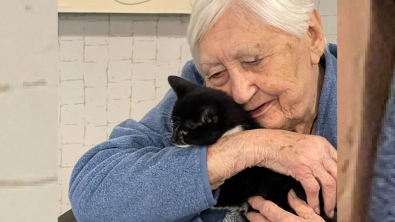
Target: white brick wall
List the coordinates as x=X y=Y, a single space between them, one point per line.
x=114 y=67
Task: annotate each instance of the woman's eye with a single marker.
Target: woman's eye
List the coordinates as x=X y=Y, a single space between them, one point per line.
x=217 y=75
x=255 y=62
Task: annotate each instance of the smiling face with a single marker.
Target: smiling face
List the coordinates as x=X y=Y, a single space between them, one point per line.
x=272 y=74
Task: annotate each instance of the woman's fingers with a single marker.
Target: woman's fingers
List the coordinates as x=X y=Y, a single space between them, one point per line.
x=301 y=208
x=328 y=185
x=333 y=153
x=269 y=210
x=331 y=166
x=256 y=217
x=312 y=190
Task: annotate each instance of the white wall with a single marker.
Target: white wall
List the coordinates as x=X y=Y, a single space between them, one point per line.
x=28 y=110
x=115 y=67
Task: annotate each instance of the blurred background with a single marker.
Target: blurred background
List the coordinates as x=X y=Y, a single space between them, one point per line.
x=68 y=78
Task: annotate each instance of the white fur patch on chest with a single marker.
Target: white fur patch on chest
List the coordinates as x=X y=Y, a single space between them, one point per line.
x=236 y=129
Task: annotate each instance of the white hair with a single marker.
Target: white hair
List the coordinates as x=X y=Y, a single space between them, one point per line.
x=291 y=16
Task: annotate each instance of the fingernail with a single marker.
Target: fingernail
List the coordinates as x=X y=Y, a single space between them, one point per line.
x=293 y=194
x=317 y=210
x=331 y=214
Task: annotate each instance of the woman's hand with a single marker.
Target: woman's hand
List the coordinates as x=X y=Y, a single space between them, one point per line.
x=309 y=159
x=268 y=211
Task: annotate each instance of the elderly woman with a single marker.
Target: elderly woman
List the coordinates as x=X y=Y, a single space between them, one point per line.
x=270 y=56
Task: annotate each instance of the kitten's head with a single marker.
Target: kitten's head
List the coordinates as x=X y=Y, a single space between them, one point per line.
x=198 y=117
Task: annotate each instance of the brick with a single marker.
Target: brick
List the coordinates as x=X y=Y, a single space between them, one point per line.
x=168 y=50
x=170 y=26
x=59 y=194
x=59 y=157
x=162 y=72
x=71 y=50
x=143 y=90
x=145 y=17
x=96 y=97
x=110 y=128
x=66 y=175
x=143 y=51
x=71 y=153
x=185 y=53
x=120 y=90
x=144 y=71
x=120 y=48
x=59 y=176
x=71 y=28
x=72 y=133
x=96 y=33
x=160 y=93
x=96 y=116
x=118 y=110
x=59 y=134
x=140 y=109
x=60 y=203
x=96 y=53
x=65 y=207
x=72 y=114
x=96 y=17
x=86 y=148
x=119 y=71
x=184 y=28
x=95 y=74
x=327 y=7
x=120 y=25
x=185 y=19
x=71 y=70
x=145 y=29
x=329 y=23
x=95 y=135
x=71 y=92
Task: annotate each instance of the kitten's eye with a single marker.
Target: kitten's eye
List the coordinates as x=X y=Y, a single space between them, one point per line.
x=184 y=132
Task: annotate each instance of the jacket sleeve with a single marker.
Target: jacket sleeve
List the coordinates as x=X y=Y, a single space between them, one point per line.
x=138 y=175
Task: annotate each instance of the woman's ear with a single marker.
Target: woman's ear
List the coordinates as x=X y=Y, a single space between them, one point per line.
x=317 y=39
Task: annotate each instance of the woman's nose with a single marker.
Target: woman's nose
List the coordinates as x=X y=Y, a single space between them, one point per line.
x=242 y=88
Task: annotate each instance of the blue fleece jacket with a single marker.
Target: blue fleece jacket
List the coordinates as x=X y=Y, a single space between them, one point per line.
x=139 y=175
x=382 y=205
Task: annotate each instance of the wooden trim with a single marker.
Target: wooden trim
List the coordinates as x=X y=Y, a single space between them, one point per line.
x=366 y=56
x=125 y=6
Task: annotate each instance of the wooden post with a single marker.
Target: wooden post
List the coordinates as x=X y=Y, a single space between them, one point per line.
x=365 y=59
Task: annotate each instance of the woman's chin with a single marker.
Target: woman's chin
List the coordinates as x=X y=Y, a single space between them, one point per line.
x=271 y=124
x=271 y=121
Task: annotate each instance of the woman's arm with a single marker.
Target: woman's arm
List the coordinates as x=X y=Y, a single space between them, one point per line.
x=309 y=159
x=138 y=175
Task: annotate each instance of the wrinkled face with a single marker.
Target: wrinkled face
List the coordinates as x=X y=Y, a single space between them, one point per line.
x=271 y=73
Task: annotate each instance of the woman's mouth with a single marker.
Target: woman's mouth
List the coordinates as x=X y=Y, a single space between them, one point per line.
x=258 y=111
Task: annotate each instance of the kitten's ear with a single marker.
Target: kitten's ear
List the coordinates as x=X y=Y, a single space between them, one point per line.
x=180 y=85
x=209 y=115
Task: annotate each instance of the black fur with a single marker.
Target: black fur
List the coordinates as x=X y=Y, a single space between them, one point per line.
x=200 y=117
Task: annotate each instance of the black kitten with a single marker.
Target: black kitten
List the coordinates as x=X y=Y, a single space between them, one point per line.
x=200 y=117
